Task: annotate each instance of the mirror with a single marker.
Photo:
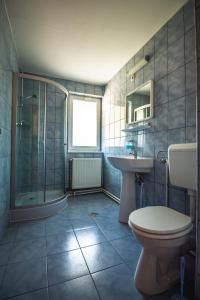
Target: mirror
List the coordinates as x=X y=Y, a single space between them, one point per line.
x=139 y=103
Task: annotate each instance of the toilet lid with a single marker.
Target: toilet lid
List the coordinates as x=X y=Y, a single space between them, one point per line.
x=159 y=220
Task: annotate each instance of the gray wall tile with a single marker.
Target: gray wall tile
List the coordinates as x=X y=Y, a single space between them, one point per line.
x=190 y=45
x=8 y=64
x=176 y=84
x=191 y=77
x=161 y=91
x=189 y=15
x=160 y=65
x=161 y=41
x=175 y=27
x=176 y=136
x=177 y=200
x=177 y=113
x=191 y=110
x=161 y=117
x=176 y=55
x=191 y=134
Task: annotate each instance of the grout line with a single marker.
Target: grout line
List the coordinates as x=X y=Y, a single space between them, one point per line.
x=88 y=268
x=67 y=280
x=27 y=293
x=122 y=263
x=62 y=252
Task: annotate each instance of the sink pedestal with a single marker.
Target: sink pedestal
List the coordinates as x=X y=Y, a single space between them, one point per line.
x=127 y=196
x=129 y=165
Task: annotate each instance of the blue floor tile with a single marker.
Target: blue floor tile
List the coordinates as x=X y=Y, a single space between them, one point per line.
x=28 y=249
x=58 y=219
x=110 y=212
x=4 y=253
x=77 y=289
x=132 y=265
x=127 y=247
x=66 y=266
x=82 y=223
x=24 y=277
x=53 y=229
x=77 y=213
x=61 y=243
x=9 y=236
x=112 y=229
x=37 y=295
x=88 y=237
x=2 y=271
x=30 y=230
x=101 y=256
x=116 y=283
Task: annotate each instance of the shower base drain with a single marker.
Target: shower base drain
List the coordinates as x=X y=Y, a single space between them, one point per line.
x=94 y=214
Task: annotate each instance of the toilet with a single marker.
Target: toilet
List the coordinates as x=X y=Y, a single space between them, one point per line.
x=164 y=232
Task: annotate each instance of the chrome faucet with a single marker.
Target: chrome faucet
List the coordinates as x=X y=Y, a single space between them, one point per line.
x=132 y=148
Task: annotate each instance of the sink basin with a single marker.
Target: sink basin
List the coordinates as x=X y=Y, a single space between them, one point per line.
x=129 y=165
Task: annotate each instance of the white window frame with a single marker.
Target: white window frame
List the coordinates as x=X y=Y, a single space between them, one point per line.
x=71 y=147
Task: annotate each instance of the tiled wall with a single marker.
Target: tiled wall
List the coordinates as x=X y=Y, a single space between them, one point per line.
x=84 y=88
x=8 y=63
x=172 y=66
x=31 y=167
x=198 y=136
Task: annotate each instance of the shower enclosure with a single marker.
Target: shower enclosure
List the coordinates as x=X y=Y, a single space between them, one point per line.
x=38 y=141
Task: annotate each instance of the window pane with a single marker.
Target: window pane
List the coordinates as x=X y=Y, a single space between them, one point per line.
x=84 y=130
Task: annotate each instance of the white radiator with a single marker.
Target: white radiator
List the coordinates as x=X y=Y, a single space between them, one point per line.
x=86 y=173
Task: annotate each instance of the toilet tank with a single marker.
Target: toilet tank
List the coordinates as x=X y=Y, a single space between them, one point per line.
x=183 y=165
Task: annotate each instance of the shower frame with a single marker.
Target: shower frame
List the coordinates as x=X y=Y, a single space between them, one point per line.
x=34 y=211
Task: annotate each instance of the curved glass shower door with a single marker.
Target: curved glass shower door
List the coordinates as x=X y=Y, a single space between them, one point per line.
x=30 y=160
x=39 y=144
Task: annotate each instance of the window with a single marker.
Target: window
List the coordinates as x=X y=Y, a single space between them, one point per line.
x=84 y=124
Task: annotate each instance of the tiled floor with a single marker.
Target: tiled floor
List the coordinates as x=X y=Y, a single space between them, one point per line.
x=81 y=253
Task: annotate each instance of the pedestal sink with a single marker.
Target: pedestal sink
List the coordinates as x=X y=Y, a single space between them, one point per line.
x=129 y=165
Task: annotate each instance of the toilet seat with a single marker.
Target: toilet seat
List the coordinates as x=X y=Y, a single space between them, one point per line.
x=160 y=222
x=162 y=236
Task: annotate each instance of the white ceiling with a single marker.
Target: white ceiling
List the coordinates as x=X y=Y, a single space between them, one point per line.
x=84 y=40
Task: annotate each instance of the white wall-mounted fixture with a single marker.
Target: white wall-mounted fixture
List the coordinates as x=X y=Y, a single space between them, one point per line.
x=183 y=169
x=86 y=173
x=138 y=66
x=139 y=103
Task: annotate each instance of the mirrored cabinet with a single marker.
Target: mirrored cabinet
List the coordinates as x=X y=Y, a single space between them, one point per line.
x=139 y=103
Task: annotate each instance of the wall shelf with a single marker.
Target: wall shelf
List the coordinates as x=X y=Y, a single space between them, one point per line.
x=137 y=127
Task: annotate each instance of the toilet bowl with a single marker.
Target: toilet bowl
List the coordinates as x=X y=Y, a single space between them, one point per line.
x=163 y=234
